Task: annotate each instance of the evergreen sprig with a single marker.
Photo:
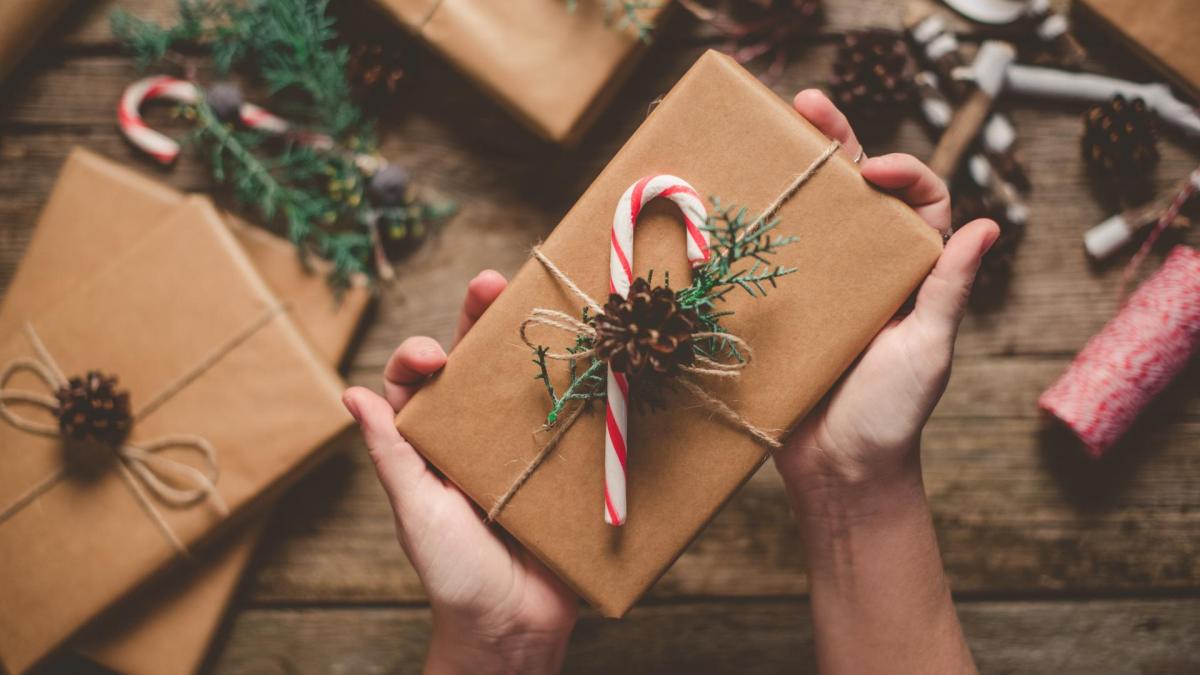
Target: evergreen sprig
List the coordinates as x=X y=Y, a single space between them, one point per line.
x=318 y=195
x=741 y=247
x=622 y=13
x=583 y=386
x=291 y=44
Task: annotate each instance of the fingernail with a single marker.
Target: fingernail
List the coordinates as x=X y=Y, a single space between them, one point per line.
x=351 y=405
x=988 y=244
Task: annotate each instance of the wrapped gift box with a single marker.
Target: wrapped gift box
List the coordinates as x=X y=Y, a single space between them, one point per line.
x=103 y=207
x=22 y=23
x=859 y=255
x=554 y=68
x=183 y=318
x=1162 y=32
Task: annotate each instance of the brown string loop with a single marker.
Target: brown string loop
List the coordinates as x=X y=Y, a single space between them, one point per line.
x=144 y=469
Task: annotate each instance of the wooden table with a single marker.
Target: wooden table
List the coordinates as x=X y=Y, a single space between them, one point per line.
x=1058 y=564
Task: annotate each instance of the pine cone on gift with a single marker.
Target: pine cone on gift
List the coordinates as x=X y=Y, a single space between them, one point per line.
x=646 y=336
x=375 y=71
x=90 y=409
x=1119 y=139
x=871 y=75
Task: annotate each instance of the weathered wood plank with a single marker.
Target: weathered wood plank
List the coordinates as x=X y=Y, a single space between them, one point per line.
x=1064 y=638
x=1015 y=510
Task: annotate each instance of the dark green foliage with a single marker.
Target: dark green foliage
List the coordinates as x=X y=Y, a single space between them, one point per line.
x=586 y=386
x=316 y=194
x=622 y=13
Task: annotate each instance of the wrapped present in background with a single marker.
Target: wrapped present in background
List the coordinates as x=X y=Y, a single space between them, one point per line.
x=103 y=207
x=858 y=256
x=22 y=23
x=217 y=373
x=553 y=63
x=1162 y=32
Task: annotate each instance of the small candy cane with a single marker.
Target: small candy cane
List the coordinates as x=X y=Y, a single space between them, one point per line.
x=129 y=115
x=620 y=277
x=166 y=149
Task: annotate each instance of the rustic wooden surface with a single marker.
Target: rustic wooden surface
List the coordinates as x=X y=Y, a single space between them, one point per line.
x=1058 y=564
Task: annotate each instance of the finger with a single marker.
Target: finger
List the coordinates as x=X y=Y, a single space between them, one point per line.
x=816 y=107
x=409 y=366
x=942 y=299
x=910 y=180
x=481 y=293
x=396 y=461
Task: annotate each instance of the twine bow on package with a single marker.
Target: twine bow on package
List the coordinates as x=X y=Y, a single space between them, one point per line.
x=107 y=482
x=765 y=264
x=97 y=210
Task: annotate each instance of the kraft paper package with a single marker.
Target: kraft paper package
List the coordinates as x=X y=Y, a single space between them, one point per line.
x=554 y=68
x=1163 y=32
x=224 y=388
x=859 y=255
x=101 y=207
x=22 y=24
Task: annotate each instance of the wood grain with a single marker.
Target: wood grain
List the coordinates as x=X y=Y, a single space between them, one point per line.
x=1065 y=565
x=1088 y=637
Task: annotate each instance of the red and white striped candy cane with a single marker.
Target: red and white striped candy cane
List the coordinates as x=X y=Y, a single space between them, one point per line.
x=620 y=277
x=129 y=115
x=165 y=149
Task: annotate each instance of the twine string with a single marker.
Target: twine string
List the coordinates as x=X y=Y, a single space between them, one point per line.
x=1165 y=220
x=145 y=471
x=562 y=321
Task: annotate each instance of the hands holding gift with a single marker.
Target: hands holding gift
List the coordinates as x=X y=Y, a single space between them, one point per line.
x=495 y=607
x=852 y=471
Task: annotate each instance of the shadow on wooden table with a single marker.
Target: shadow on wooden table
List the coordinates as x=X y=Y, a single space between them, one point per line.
x=1096 y=485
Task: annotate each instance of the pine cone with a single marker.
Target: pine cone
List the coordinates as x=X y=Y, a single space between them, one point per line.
x=375 y=71
x=91 y=409
x=1119 y=139
x=871 y=74
x=646 y=334
x=995 y=271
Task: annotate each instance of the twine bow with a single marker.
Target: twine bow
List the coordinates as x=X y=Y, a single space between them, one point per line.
x=562 y=321
x=146 y=472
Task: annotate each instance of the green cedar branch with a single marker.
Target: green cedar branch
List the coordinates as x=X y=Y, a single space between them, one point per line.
x=622 y=13
x=319 y=196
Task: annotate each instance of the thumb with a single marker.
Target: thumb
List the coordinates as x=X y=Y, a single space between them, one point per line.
x=942 y=299
x=396 y=461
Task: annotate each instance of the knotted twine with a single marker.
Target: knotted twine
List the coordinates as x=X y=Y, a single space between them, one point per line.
x=562 y=321
x=140 y=466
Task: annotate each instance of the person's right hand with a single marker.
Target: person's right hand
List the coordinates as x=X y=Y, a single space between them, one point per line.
x=495 y=608
x=870 y=424
x=879 y=598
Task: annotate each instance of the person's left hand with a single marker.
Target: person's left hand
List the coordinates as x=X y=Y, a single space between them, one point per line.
x=495 y=608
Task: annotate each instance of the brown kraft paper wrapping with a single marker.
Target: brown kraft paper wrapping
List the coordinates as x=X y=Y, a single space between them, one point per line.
x=553 y=68
x=1163 y=32
x=22 y=23
x=100 y=207
x=860 y=254
x=151 y=316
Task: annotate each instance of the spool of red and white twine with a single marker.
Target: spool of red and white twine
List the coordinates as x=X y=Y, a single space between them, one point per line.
x=1133 y=357
x=616 y=433
x=165 y=149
